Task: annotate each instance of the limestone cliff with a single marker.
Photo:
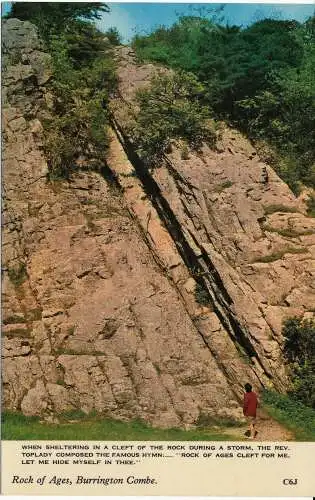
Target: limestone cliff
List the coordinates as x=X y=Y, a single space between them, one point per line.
x=101 y=274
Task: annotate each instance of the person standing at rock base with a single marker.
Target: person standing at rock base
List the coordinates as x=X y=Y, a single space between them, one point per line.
x=250 y=410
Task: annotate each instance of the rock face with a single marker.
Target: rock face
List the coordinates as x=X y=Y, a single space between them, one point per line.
x=149 y=296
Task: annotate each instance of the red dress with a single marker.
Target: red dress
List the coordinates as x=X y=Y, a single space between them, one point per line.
x=250 y=404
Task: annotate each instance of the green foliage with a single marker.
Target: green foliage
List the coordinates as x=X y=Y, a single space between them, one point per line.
x=171 y=109
x=299 y=340
x=287 y=232
x=73 y=415
x=271 y=209
x=278 y=255
x=55 y=17
x=299 y=349
x=311 y=205
x=113 y=36
x=84 y=42
x=284 y=115
x=17 y=274
x=80 y=132
x=259 y=78
x=84 y=76
x=13 y=319
x=224 y=185
x=205 y=420
x=201 y=295
x=292 y=413
x=16 y=426
x=233 y=61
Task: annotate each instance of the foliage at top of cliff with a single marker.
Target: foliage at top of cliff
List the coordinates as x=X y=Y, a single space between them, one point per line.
x=83 y=78
x=259 y=79
x=56 y=17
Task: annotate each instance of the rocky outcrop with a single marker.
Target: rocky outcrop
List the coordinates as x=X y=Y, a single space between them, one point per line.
x=243 y=235
x=140 y=294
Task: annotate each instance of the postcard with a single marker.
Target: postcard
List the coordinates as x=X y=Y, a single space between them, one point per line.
x=158 y=249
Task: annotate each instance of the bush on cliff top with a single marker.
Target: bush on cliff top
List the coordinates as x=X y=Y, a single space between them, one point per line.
x=171 y=109
x=78 y=128
x=84 y=77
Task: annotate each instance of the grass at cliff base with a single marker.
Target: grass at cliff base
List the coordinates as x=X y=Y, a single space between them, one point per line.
x=16 y=426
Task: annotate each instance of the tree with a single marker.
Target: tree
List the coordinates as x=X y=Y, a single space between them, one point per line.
x=55 y=17
x=284 y=115
x=59 y=13
x=260 y=79
x=85 y=43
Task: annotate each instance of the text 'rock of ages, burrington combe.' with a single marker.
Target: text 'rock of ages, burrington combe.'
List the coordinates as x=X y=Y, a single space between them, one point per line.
x=102 y=281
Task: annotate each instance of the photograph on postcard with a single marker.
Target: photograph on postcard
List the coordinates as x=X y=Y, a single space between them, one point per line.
x=158 y=243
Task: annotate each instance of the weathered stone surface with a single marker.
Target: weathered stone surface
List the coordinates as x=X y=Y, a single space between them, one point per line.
x=252 y=239
x=36 y=400
x=101 y=311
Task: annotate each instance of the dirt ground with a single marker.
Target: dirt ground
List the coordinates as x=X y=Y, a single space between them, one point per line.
x=267 y=429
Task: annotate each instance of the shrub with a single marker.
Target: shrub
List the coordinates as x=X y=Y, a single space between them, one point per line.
x=271 y=209
x=171 y=109
x=311 y=205
x=184 y=154
x=292 y=413
x=11 y=320
x=287 y=232
x=278 y=255
x=202 y=295
x=113 y=36
x=18 y=274
x=78 y=127
x=83 y=78
x=74 y=414
x=299 y=349
x=299 y=339
x=205 y=420
x=224 y=185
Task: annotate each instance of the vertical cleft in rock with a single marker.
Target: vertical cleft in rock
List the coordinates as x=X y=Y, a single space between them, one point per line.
x=200 y=267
